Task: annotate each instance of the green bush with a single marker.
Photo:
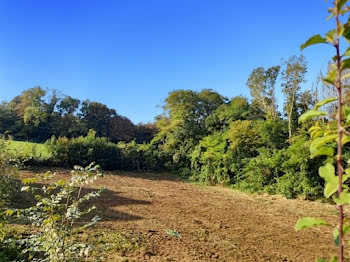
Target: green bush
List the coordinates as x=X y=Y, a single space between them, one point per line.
x=85 y=150
x=292 y=185
x=54 y=235
x=289 y=171
x=9 y=186
x=131 y=155
x=9 y=164
x=208 y=163
x=261 y=171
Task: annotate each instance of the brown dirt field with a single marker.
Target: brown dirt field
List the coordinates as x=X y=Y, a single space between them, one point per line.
x=216 y=224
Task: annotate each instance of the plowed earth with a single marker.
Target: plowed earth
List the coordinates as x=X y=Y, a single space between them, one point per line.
x=179 y=221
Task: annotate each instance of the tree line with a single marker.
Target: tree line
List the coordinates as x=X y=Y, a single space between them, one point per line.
x=38 y=114
x=246 y=143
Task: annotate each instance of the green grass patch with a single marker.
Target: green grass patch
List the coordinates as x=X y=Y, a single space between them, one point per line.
x=28 y=149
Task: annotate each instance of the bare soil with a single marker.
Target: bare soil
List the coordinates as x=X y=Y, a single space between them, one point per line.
x=179 y=221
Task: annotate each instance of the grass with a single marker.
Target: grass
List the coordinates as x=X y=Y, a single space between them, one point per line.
x=29 y=149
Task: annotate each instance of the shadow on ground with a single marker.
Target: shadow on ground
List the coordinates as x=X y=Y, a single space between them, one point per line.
x=134 y=174
x=105 y=205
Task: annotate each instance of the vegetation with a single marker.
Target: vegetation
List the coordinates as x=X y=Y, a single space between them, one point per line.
x=37 y=114
x=202 y=135
x=250 y=145
x=326 y=137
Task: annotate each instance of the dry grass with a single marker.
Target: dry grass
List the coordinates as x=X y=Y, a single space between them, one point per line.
x=214 y=224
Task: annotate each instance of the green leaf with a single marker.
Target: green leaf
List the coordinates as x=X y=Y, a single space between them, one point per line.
x=346 y=229
x=24 y=188
x=327 y=172
x=346 y=32
x=333 y=259
x=307 y=222
x=9 y=212
x=343 y=199
x=345 y=64
x=30 y=180
x=347 y=52
x=331 y=77
x=320 y=141
x=316 y=39
x=310 y=114
x=323 y=151
x=317 y=147
x=346 y=176
x=347 y=114
x=336 y=237
x=324 y=102
x=340 y=4
x=345 y=139
x=330 y=36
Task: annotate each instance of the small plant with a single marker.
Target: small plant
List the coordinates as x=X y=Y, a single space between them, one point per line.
x=333 y=134
x=173 y=233
x=55 y=216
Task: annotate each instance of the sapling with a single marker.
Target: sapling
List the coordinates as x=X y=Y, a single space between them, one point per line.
x=330 y=135
x=54 y=217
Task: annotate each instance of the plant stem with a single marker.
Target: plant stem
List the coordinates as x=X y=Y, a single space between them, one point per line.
x=339 y=139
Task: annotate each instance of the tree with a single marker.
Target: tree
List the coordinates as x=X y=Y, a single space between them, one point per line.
x=293 y=76
x=121 y=129
x=261 y=83
x=145 y=132
x=236 y=109
x=8 y=119
x=183 y=122
x=97 y=116
x=68 y=123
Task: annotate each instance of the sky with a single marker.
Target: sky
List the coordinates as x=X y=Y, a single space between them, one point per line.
x=129 y=54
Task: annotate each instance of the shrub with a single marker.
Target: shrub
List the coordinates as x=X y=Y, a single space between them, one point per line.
x=9 y=165
x=8 y=187
x=292 y=185
x=261 y=171
x=131 y=156
x=84 y=150
x=59 y=205
x=208 y=163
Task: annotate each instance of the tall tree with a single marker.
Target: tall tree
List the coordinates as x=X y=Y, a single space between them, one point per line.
x=97 y=116
x=68 y=123
x=261 y=83
x=293 y=76
x=183 y=123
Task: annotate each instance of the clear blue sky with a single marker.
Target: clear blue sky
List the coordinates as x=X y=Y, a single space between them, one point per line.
x=129 y=54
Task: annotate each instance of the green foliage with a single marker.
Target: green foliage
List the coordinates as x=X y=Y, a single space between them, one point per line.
x=292 y=77
x=316 y=39
x=38 y=114
x=132 y=156
x=209 y=160
x=59 y=206
x=9 y=164
x=260 y=172
x=84 y=150
x=261 y=83
x=310 y=114
x=237 y=109
x=327 y=137
x=307 y=222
